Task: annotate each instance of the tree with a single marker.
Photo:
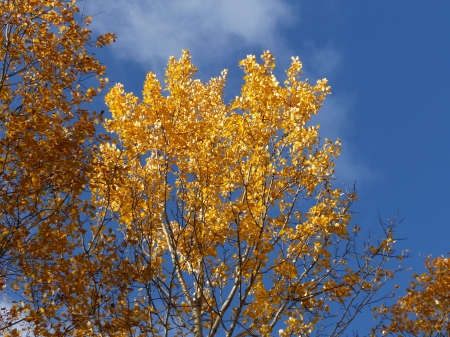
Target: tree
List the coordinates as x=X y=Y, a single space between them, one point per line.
x=425 y=309
x=45 y=148
x=221 y=219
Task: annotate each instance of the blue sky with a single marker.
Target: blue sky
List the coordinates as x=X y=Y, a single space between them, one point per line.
x=388 y=65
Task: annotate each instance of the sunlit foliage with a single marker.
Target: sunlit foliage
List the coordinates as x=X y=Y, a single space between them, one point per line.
x=228 y=220
x=425 y=309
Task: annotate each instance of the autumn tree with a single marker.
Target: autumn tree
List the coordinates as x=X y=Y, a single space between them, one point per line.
x=425 y=309
x=221 y=219
x=47 y=73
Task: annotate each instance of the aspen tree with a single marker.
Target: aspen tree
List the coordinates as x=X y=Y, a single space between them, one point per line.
x=228 y=222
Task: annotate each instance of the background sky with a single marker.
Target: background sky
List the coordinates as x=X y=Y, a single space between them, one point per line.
x=388 y=65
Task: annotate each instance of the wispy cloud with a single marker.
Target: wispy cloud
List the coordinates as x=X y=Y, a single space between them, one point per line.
x=335 y=123
x=323 y=61
x=151 y=31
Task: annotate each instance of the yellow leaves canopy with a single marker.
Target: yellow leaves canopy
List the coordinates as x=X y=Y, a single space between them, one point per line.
x=208 y=196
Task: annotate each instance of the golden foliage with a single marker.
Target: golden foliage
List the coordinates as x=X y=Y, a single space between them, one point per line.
x=45 y=145
x=209 y=199
x=425 y=309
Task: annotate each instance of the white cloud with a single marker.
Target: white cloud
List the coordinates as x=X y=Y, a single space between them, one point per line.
x=151 y=31
x=323 y=61
x=335 y=123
